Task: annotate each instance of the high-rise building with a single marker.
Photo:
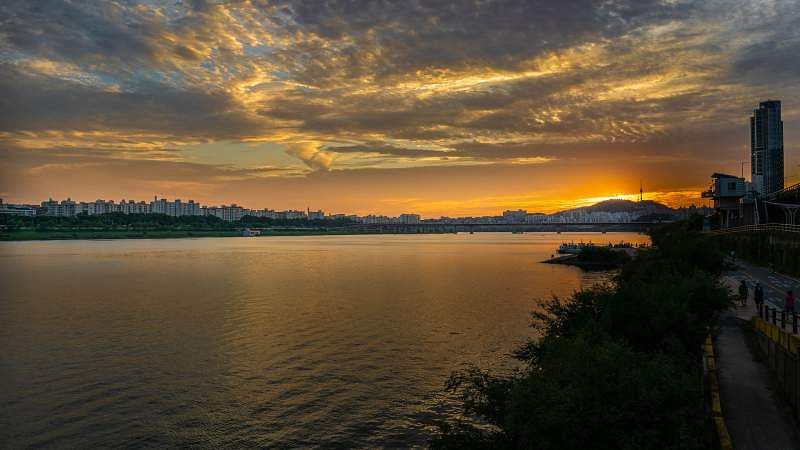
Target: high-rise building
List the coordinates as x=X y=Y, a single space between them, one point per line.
x=766 y=144
x=517 y=216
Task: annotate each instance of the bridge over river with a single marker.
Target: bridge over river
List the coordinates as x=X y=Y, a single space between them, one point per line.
x=439 y=227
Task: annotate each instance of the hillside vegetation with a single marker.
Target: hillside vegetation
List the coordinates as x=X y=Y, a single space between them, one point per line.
x=615 y=367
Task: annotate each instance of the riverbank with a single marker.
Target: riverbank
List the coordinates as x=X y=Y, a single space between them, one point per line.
x=34 y=235
x=614 y=366
x=595 y=258
x=26 y=235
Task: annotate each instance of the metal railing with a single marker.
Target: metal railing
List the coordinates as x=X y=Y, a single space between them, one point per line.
x=793 y=188
x=771 y=227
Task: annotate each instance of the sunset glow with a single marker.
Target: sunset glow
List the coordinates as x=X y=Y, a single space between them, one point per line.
x=437 y=108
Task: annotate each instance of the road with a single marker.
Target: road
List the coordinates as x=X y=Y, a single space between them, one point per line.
x=775 y=285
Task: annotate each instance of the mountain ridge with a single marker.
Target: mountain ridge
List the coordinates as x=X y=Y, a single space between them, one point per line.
x=622 y=205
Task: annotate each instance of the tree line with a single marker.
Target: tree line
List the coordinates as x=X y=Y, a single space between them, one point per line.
x=117 y=221
x=614 y=367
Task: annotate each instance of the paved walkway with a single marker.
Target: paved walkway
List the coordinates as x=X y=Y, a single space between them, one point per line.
x=756 y=416
x=775 y=284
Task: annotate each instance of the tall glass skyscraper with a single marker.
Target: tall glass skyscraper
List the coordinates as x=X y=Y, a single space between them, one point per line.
x=766 y=144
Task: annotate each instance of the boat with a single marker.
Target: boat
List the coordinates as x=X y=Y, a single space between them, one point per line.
x=572 y=248
x=247 y=232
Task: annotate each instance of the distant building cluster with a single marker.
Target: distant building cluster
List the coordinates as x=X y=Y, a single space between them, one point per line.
x=179 y=208
x=17 y=210
x=232 y=213
x=174 y=208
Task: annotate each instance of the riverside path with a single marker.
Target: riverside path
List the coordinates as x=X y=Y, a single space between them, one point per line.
x=755 y=414
x=775 y=286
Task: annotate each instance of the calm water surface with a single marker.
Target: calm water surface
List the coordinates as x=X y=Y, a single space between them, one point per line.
x=330 y=341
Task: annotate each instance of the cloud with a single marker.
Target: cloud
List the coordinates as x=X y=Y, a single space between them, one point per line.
x=343 y=85
x=311 y=154
x=388 y=150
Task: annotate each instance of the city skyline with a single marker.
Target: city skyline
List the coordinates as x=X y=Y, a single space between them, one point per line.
x=607 y=211
x=442 y=109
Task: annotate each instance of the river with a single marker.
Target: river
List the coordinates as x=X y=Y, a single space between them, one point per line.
x=331 y=341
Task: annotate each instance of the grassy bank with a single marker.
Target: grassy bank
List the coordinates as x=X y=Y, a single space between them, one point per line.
x=153 y=226
x=34 y=235
x=615 y=367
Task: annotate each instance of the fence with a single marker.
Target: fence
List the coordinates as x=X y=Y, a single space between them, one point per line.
x=779 y=349
x=780 y=227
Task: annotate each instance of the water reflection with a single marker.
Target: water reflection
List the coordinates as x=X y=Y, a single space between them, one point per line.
x=297 y=341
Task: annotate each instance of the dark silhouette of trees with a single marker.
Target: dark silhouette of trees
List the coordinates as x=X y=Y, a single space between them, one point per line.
x=615 y=367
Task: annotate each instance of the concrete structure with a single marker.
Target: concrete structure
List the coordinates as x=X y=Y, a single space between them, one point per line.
x=132 y=207
x=518 y=216
x=766 y=144
x=17 y=210
x=727 y=191
x=228 y=213
x=175 y=208
x=409 y=219
x=54 y=208
x=536 y=218
x=293 y=214
x=97 y=207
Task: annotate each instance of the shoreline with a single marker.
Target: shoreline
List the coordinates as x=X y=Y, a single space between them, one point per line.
x=29 y=235
x=124 y=235
x=605 y=262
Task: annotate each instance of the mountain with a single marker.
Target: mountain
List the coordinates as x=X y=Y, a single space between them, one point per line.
x=616 y=205
x=646 y=209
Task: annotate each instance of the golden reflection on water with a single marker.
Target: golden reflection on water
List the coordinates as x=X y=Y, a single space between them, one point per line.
x=296 y=341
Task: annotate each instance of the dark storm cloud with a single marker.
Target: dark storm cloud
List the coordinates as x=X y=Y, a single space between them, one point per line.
x=98 y=31
x=38 y=103
x=418 y=34
x=765 y=63
x=516 y=78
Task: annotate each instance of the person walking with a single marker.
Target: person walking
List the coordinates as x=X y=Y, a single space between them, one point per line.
x=758 y=295
x=789 y=301
x=743 y=293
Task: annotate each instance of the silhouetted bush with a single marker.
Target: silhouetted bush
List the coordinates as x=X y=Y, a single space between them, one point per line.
x=615 y=367
x=603 y=255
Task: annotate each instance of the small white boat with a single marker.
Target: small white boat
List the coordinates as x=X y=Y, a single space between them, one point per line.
x=572 y=248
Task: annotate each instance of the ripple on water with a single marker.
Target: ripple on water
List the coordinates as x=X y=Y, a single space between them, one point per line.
x=340 y=341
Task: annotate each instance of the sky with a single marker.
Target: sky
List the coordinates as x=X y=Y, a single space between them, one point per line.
x=436 y=107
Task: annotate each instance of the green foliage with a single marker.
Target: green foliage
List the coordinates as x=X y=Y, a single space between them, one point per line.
x=616 y=367
x=603 y=255
x=770 y=249
x=159 y=222
x=300 y=223
x=116 y=221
